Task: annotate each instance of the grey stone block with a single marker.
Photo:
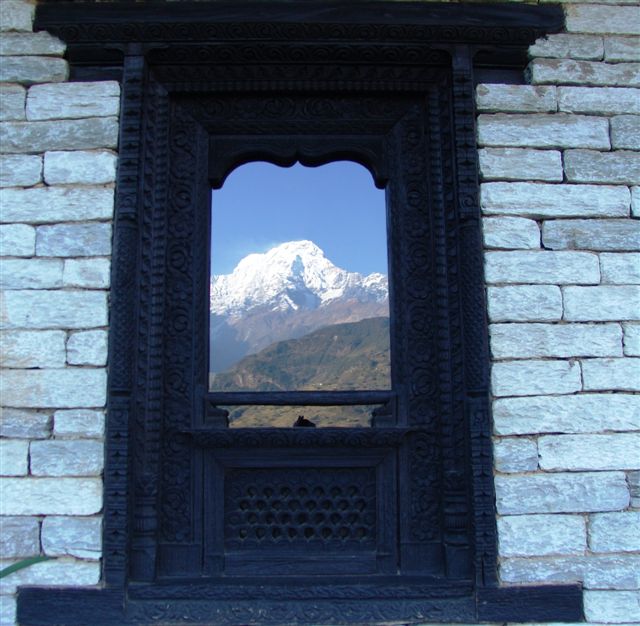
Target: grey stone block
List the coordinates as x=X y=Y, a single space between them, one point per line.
x=29 y=44
x=32 y=348
x=568 y=46
x=87 y=348
x=32 y=70
x=620 y=268
x=16 y=15
x=531 y=378
x=515 y=454
x=17 y=240
x=598 y=100
x=73 y=100
x=520 y=164
x=612 y=375
x=81 y=166
x=68 y=240
x=515 y=98
x=90 y=273
x=601 y=304
x=633 y=478
x=8 y=610
x=631 y=339
x=620 y=49
x=20 y=170
x=588 y=166
x=524 y=303
x=615 y=532
x=625 y=132
x=582 y=18
x=510 y=233
x=620 y=234
x=612 y=606
x=24 y=424
x=12 y=102
x=14 y=457
x=31 y=274
x=78 y=423
x=20 y=537
x=72 y=536
x=572 y=72
x=635 y=201
x=70 y=457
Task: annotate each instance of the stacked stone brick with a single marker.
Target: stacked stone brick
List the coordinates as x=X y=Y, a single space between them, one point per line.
x=560 y=165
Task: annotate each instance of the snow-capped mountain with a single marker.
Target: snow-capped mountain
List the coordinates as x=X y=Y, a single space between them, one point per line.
x=285 y=293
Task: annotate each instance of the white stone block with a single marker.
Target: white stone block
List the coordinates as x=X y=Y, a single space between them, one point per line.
x=601 y=304
x=71 y=457
x=625 y=132
x=14 y=457
x=56 y=204
x=531 y=378
x=620 y=269
x=591 y=166
x=612 y=606
x=20 y=537
x=16 y=15
x=87 y=348
x=20 y=170
x=515 y=454
x=12 y=102
x=589 y=452
x=515 y=98
x=31 y=274
x=17 y=240
x=568 y=46
x=621 y=49
x=561 y=493
x=542 y=267
x=78 y=423
x=524 y=303
x=631 y=339
x=69 y=240
x=543 y=131
x=619 y=234
x=32 y=70
x=572 y=72
x=510 y=233
x=90 y=273
x=28 y=44
x=520 y=164
x=53 y=309
x=548 y=200
x=73 y=100
x=615 y=532
x=584 y=413
x=32 y=348
x=541 y=535
x=603 y=19
x=58 y=388
x=80 y=166
x=24 y=423
x=598 y=100
x=83 y=134
x=611 y=375
x=72 y=536
x=50 y=496
x=8 y=610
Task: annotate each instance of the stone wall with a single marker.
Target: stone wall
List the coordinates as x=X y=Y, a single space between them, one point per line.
x=559 y=159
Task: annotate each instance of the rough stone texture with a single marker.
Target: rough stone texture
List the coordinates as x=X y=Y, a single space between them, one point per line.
x=531 y=378
x=625 y=132
x=78 y=423
x=17 y=240
x=65 y=240
x=633 y=478
x=589 y=166
x=12 y=102
x=585 y=413
x=85 y=134
x=612 y=606
x=69 y=536
x=601 y=304
x=524 y=303
x=543 y=131
x=603 y=100
x=73 y=100
x=541 y=535
x=16 y=15
x=542 y=267
x=615 y=532
x=635 y=201
x=89 y=273
x=563 y=45
x=527 y=341
x=31 y=274
x=515 y=454
x=67 y=458
x=20 y=537
x=515 y=98
x=50 y=496
x=42 y=43
x=510 y=233
x=561 y=493
x=20 y=170
x=56 y=204
x=548 y=200
x=59 y=388
x=618 y=49
x=14 y=457
x=570 y=72
x=7 y=610
x=32 y=348
x=611 y=374
x=32 y=70
x=619 y=234
x=603 y=19
x=25 y=424
x=87 y=348
x=621 y=269
x=631 y=339
x=53 y=309
x=520 y=164
x=80 y=167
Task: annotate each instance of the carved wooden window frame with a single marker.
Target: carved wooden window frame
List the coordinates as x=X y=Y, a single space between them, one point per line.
x=193 y=76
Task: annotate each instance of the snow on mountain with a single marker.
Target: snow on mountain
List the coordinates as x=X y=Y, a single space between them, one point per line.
x=293 y=276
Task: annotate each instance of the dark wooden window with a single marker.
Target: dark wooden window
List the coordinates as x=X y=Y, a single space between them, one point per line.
x=210 y=525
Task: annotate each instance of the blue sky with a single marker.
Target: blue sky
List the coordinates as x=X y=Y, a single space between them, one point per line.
x=337 y=206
